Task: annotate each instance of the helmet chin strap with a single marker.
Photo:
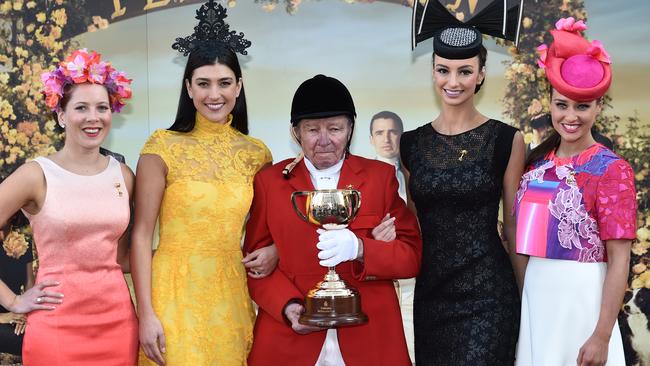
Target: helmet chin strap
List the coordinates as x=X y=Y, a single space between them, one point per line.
x=289 y=167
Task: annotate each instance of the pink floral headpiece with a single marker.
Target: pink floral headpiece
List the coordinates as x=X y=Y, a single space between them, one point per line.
x=84 y=67
x=577 y=68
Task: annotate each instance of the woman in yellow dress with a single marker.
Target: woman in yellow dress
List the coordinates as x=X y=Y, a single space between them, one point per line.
x=196 y=178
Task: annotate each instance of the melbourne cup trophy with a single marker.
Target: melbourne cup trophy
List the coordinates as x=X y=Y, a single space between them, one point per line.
x=331 y=303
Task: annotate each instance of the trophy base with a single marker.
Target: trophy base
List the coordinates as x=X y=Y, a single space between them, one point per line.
x=332 y=304
x=333 y=312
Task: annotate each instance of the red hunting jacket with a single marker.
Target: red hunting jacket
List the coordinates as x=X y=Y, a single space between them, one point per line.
x=273 y=220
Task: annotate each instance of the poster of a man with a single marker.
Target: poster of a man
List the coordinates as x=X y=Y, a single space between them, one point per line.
x=386 y=128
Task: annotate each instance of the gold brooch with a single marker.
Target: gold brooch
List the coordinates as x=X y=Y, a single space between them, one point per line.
x=117 y=188
x=462 y=154
x=349 y=186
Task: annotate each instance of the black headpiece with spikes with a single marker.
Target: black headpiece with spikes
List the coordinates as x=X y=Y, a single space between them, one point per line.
x=211 y=34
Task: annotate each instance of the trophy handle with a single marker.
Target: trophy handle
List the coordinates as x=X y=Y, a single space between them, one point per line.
x=295 y=206
x=358 y=205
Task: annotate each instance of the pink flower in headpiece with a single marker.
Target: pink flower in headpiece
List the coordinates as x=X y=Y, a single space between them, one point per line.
x=597 y=51
x=52 y=101
x=76 y=67
x=116 y=103
x=52 y=82
x=120 y=84
x=570 y=25
x=119 y=78
x=542 y=51
x=97 y=72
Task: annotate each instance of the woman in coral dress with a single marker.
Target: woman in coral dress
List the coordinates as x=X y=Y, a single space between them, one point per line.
x=78 y=204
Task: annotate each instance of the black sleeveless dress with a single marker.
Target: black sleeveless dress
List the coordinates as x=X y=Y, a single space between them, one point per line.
x=466 y=307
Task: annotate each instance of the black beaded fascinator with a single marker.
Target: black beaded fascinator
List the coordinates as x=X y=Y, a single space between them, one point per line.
x=457 y=28
x=212 y=34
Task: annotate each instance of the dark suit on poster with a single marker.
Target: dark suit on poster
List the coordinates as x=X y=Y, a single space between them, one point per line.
x=273 y=220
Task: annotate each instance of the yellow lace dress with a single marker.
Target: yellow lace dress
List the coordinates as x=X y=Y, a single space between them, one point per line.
x=199 y=290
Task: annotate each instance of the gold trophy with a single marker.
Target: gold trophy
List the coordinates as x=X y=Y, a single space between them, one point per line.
x=331 y=303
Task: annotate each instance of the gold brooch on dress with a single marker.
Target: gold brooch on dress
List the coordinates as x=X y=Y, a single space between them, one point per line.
x=462 y=154
x=117 y=188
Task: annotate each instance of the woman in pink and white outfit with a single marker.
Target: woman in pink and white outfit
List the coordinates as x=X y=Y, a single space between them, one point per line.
x=576 y=217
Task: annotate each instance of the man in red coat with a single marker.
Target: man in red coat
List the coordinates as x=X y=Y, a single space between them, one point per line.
x=322 y=115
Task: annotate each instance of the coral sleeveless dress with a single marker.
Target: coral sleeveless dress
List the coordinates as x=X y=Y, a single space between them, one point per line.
x=76 y=234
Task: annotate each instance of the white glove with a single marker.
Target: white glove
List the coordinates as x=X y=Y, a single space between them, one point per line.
x=336 y=246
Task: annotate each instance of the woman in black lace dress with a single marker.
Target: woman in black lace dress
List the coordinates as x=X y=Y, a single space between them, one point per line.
x=459 y=166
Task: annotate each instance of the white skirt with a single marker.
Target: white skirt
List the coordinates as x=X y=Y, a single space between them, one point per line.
x=560 y=307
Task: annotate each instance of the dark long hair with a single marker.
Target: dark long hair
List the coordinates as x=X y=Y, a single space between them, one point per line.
x=549 y=144
x=186 y=111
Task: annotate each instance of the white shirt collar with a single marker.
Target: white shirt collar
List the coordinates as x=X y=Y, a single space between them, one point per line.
x=392 y=161
x=333 y=170
x=324 y=178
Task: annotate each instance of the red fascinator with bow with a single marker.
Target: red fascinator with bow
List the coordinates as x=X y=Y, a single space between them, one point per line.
x=575 y=67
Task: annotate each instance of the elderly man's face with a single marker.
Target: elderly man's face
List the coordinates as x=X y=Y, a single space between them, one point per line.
x=323 y=140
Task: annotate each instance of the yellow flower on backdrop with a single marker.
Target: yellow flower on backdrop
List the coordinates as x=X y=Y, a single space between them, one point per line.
x=639 y=268
x=5 y=7
x=60 y=17
x=100 y=22
x=640 y=248
x=6 y=110
x=642 y=281
x=27 y=128
x=55 y=32
x=15 y=245
x=643 y=234
x=20 y=52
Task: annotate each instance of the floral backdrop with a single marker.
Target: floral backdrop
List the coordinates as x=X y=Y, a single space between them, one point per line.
x=36 y=34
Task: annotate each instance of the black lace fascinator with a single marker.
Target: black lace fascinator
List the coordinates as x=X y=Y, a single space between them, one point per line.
x=211 y=34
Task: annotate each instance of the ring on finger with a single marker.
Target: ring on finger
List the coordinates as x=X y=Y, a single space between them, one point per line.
x=257 y=273
x=39 y=300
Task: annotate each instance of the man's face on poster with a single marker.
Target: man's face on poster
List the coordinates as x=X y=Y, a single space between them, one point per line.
x=385 y=138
